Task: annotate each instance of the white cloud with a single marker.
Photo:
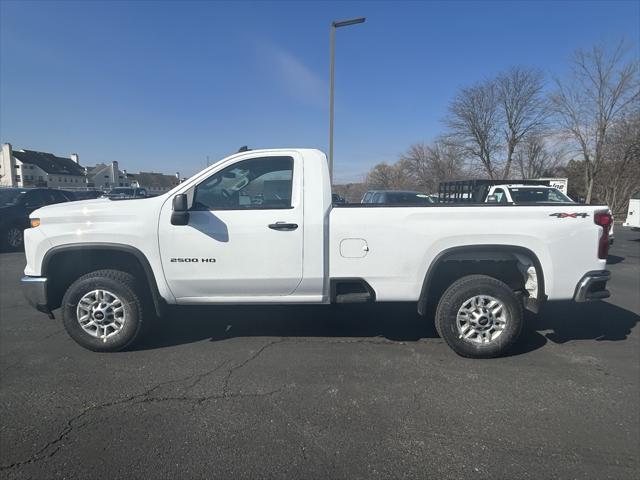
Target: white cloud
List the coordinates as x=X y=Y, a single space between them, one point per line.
x=299 y=81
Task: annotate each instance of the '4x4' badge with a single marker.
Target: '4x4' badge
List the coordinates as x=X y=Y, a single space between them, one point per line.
x=569 y=215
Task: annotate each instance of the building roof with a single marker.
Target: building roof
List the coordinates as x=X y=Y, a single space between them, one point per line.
x=95 y=169
x=49 y=162
x=102 y=169
x=152 y=179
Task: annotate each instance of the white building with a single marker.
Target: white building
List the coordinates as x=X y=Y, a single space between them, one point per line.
x=154 y=183
x=105 y=177
x=28 y=168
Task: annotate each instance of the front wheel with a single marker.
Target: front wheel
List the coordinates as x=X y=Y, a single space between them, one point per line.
x=13 y=238
x=102 y=311
x=479 y=316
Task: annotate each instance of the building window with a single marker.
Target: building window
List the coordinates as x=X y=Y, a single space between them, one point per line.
x=18 y=178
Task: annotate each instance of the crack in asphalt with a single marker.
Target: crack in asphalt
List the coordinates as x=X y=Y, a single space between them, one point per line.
x=53 y=446
x=232 y=370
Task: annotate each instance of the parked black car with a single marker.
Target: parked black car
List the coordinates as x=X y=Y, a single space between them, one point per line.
x=397 y=197
x=82 y=194
x=126 y=192
x=15 y=206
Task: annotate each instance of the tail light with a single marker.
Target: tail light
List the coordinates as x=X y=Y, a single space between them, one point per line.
x=603 y=219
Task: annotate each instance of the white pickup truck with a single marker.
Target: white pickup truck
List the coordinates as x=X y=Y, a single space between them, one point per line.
x=520 y=194
x=260 y=227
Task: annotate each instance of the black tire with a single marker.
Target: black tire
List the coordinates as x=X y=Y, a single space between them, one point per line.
x=122 y=285
x=457 y=295
x=13 y=238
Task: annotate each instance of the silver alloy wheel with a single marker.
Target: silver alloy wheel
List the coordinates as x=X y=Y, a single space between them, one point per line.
x=101 y=314
x=14 y=237
x=481 y=319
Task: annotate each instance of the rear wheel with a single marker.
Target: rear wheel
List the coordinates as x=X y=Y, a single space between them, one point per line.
x=103 y=311
x=479 y=316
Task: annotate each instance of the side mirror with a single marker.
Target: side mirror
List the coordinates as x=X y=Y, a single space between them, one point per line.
x=180 y=214
x=492 y=199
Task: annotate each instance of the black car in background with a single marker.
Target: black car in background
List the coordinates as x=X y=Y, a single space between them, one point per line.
x=82 y=194
x=15 y=206
x=397 y=197
x=120 y=193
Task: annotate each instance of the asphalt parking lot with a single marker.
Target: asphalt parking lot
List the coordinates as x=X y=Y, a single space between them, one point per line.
x=323 y=392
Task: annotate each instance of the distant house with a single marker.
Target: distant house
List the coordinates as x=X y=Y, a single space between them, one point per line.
x=154 y=183
x=105 y=177
x=28 y=168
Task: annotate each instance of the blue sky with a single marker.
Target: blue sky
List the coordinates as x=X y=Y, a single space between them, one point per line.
x=161 y=85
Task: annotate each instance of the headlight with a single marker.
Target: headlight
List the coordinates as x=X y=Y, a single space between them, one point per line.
x=35 y=222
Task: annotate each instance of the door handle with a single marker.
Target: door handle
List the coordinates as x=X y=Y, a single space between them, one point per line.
x=283 y=226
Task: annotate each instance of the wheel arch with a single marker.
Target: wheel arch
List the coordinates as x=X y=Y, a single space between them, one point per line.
x=81 y=258
x=479 y=253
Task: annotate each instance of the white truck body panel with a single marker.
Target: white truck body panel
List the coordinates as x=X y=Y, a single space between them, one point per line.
x=391 y=248
x=403 y=241
x=633 y=214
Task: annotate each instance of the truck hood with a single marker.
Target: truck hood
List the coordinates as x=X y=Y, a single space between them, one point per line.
x=97 y=210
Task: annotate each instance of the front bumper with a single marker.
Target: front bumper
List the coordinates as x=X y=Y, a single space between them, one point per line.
x=35 y=291
x=593 y=286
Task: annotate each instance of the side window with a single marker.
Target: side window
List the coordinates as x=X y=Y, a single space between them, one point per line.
x=500 y=195
x=555 y=196
x=378 y=198
x=258 y=183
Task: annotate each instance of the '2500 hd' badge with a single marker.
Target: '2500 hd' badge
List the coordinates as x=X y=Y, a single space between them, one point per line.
x=569 y=215
x=192 y=260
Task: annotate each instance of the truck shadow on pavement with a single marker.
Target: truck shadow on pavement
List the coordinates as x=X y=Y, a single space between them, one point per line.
x=557 y=322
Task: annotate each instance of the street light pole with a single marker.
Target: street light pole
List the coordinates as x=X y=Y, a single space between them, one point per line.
x=332 y=49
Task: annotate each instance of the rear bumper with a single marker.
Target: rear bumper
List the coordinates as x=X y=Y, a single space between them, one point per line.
x=593 y=286
x=35 y=291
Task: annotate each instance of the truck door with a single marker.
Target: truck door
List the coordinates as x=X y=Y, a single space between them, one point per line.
x=245 y=232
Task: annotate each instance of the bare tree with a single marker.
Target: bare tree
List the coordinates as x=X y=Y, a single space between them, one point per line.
x=414 y=166
x=425 y=166
x=385 y=177
x=621 y=176
x=474 y=120
x=446 y=161
x=524 y=110
x=601 y=89
x=534 y=156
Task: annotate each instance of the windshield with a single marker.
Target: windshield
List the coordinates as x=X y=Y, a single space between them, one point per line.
x=125 y=191
x=538 y=195
x=9 y=197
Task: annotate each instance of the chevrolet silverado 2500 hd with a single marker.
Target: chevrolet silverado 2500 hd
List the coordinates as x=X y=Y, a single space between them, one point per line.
x=260 y=227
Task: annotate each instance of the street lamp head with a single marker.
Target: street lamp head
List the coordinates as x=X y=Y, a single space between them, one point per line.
x=344 y=23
